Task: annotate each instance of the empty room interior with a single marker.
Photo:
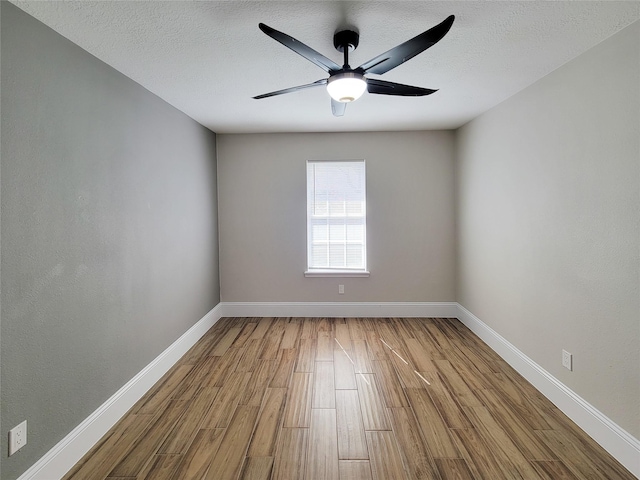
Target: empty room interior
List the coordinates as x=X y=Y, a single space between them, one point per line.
x=437 y=279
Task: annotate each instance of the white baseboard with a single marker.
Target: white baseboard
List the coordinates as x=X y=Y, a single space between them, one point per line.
x=62 y=457
x=620 y=444
x=340 y=309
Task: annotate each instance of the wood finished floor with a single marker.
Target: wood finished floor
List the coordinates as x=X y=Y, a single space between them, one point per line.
x=349 y=399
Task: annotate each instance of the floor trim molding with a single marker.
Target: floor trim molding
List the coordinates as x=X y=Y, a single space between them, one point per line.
x=615 y=440
x=340 y=309
x=63 y=456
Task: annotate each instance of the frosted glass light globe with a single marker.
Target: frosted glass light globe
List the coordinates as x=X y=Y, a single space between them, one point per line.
x=346 y=87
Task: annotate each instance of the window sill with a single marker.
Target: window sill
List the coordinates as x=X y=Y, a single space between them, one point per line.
x=336 y=273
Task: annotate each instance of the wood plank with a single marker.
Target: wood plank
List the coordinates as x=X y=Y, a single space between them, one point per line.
x=261 y=329
x=386 y=463
x=471 y=358
x=377 y=350
x=438 y=336
x=276 y=330
x=322 y=456
x=250 y=356
x=324 y=386
x=456 y=384
x=360 y=357
x=405 y=332
x=447 y=405
x=161 y=395
x=520 y=433
x=225 y=343
x=225 y=367
x=520 y=401
x=562 y=424
x=343 y=367
x=309 y=329
x=206 y=343
x=227 y=461
x=429 y=344
x=182 y=434
x=453 y=469
x=282 y=374
x=388 y=335
x=419 y=356
x=472 y=376
x=356 y=329
x=533 y=396
x=223 y=406
x=405 y=371
x=291 y=454
x=257 y=468
x=206 y=372
x=297 y=413
x=582 y=462
x=324 y=350
x=433 y=428
x=100 y=460
x=479 y=348
x=270 y=348
x=290 y=337
x=325 y=325
x=389 y=384
x=257 y=385
x=306 y=355
x=242 y=339
x=512 y=462
x=343 y=337
x=162 y=467
x=352 y=444
x=148 y=443
x=195 y=463
x=477 y=454
x=188 y=389
x=415 y=325
x=553 y=470
x=414 y=452
x=354 y=470
x=374 y=415
x=264 y=437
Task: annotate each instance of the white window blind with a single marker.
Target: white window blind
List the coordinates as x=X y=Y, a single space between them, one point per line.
x=336 y=216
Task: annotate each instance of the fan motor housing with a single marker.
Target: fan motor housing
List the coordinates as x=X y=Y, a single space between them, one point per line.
x=348 y=38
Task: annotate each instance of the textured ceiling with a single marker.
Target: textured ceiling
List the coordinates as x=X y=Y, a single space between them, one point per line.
x=209 y=58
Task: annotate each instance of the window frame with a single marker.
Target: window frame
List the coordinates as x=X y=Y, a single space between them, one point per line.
x=341 y=271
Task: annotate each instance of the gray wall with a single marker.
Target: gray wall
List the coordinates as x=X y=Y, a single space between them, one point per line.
x=109 y=232
x=410 y=217
x=548 y=222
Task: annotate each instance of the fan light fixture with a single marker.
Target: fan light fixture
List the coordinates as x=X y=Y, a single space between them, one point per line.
x=346 y=84
x=346 y=87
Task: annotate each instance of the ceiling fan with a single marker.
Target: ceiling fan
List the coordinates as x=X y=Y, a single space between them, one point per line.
x=346 y=84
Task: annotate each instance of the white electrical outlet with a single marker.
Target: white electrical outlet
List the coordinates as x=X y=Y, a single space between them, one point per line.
x=17 y=437
x=341 y=289
x=567 y=360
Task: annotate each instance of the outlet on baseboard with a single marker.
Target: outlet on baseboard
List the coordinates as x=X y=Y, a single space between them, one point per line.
x=567 y=360
x=341 y=289
x=17 y=437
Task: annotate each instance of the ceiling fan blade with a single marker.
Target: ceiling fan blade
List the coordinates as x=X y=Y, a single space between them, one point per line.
x=383 y=87
x=407 y=50
x=317 y=83
x=300 y=48
x=338 y=108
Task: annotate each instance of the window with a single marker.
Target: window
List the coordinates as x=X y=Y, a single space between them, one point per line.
x=336 y=218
